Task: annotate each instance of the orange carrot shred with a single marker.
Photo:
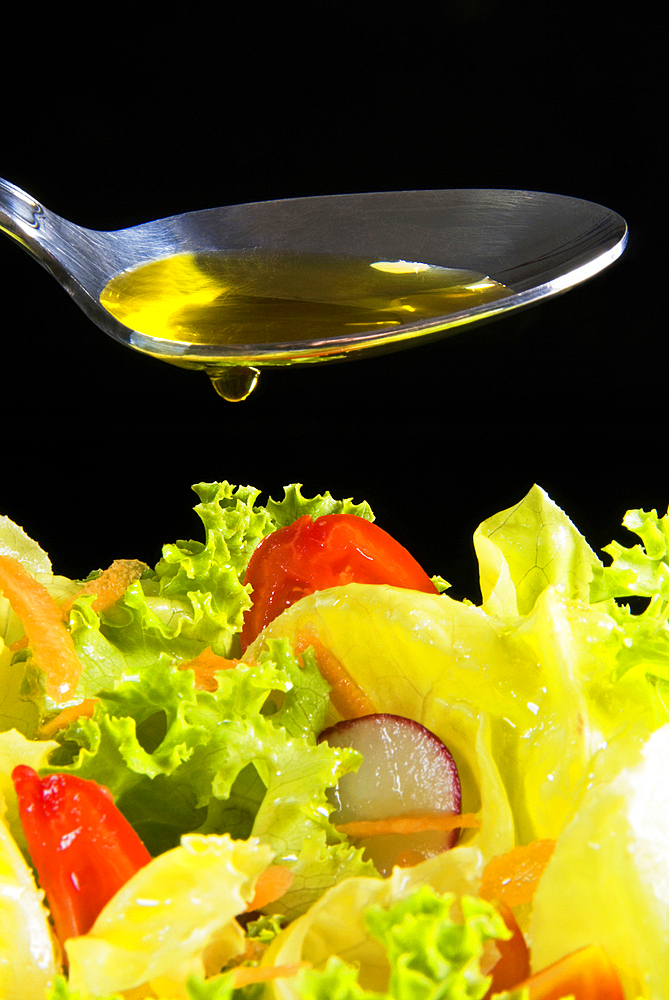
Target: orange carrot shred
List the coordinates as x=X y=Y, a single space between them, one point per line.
x=205 y=665
x=407 y=824
x=512 y=878
x=245 y=975
x=68 y=715
x=272 y=883
x=347 y=697
x=109 y=587
x=51 y=643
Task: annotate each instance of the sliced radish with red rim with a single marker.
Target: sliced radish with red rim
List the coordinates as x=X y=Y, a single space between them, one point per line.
x=406 y=771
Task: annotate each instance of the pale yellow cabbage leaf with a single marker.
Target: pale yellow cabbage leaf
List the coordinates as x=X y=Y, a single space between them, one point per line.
x=27 y=961
x=608 y=881
x=171 y=919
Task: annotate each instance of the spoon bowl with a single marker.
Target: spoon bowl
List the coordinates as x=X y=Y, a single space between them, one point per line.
x=534 y=244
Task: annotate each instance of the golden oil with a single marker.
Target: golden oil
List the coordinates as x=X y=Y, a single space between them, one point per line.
x=264 y=298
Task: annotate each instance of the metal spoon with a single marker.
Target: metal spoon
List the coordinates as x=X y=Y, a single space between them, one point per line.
x=536 y=244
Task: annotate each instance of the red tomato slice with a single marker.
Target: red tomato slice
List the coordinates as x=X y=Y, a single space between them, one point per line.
x=309 y=555
x=588 y=974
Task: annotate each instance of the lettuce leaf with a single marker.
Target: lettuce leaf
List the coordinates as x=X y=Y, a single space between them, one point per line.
x=607 y=882
x=430 y=955
x=428 y=658
x=294 y=505
x=173 y=918
x=27 y=960
x=636 y=570
x=528 y=547
x=196 y=988
x=16 y=543
x=177 y=759
x=335 y=925
x=639 y=571
x=16 y=711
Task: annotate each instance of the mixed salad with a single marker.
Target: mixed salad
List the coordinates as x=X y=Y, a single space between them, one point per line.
x=285 y=764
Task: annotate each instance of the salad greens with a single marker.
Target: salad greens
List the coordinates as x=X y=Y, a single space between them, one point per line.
x=431 y=956
x=552 y=696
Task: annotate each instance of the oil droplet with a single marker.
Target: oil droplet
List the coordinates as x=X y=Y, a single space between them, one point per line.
x=235 y=383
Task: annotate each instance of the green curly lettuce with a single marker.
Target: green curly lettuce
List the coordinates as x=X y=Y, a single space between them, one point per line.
x=179 y=759
x=431 y=956
x=638 y=570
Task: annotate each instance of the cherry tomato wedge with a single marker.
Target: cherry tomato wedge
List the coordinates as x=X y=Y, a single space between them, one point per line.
x=83 y=848
x=309 y=555
x=588 y=974
x=514 y=957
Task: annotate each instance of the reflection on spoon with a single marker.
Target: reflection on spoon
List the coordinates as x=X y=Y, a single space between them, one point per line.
x=236 y=289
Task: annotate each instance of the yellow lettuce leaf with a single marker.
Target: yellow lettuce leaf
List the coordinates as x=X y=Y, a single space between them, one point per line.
x=173 y=918
x=526 y=548
x=27 y=961
x=607 y=883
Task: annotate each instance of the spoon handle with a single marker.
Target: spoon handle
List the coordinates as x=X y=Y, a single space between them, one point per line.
x=20 y=215
x=39 y=231
x=72 y=254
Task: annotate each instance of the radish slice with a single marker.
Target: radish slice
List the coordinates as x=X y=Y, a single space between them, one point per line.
x=406 y=771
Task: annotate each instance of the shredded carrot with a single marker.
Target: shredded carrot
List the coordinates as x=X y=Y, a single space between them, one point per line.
x=205 y=665
x=346 y=696
x=244 y=975
x=271 y=885
x=109 y=587
x=512 y=878
x=407 y=824
x=63 y=719
x=44 y=627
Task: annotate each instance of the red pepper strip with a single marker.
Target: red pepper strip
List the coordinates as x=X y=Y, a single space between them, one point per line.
x=331 y=551
x=83 y=848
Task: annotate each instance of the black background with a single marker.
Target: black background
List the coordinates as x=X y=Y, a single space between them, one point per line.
x=146 y=116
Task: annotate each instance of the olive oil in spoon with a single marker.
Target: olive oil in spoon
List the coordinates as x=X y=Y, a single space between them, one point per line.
x=217 y=300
